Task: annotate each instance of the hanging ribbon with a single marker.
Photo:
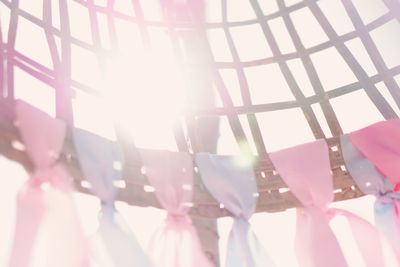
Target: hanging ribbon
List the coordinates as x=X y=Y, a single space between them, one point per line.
x=380 y=143
x=46 y=220
x=233 y=184
x=101 y=162
x=372 y=158
x=306 y=170
x=176 y=244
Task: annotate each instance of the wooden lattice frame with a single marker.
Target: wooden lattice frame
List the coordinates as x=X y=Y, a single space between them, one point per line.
x=273 y=193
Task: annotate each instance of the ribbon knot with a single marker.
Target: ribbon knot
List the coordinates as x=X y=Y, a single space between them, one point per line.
x=54 y=175
x=310 y=180
x=241 y=220
x=176 y=244
x=370 y=158
x=325 y=212
x=388 y=197
x=41 y=134
x=108 y=210
x=178 y=219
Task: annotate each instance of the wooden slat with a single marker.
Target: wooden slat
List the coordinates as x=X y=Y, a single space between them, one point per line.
x=373 y=51
x=244 y=86
x=312 y=74
x=287 y=73
x=11 y=38
x=370 y=89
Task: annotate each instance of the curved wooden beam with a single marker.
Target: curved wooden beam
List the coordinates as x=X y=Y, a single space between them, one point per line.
x=274 y=196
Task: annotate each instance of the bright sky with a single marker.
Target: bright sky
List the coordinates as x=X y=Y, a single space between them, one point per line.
x=131 y=99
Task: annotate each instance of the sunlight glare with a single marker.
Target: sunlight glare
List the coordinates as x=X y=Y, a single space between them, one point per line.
x=145 y=95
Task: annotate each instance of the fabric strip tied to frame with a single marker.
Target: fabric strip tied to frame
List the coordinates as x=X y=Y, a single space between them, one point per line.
x=372 y=156
x=306 y=170
x=44 y=204
x=231 y=181
x=101 y=160
x=176 y=243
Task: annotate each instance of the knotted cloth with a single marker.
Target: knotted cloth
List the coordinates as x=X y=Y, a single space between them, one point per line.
x=306 y=170
x=101 y=161
x=232 y=182
x=46 y=220
x=176 y=244
x=372 y=157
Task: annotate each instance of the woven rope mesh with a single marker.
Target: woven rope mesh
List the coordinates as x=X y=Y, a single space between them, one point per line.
x=246 y=76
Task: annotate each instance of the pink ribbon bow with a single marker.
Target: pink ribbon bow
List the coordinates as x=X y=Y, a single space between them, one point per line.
x=380 y=145
x=306 y=170
x=176 y=244
x=46 y=218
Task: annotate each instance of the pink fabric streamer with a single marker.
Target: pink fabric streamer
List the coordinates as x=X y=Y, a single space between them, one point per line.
x=306 y=170
x=176 y=244
x=371 y=181
x=233 y=184
x=113 y=244
x=374 y=161
x=46 y=213
x=380 y=143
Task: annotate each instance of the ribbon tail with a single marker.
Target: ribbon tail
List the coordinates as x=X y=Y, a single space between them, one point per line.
x=115 y=246
x=177 y=245
x=315 y=242
x=237 y=250
x=366 y=237
x=30 y=212
x=66 y=246
x=244 y=248
x=387 y=222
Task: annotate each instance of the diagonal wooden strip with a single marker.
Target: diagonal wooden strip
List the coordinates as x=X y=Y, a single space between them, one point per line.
x=313 y=49
x=394 y=8
x=244 y=87
x=171 y=14
x=63 y=89
x=327 y=109
x=373 y=51
x=233 y=118
x=2 y=67
x=297 y=93
x=141 y=23
x=337 y=92
x=112 y=32
x=11 y=38
x=376 y=97
x=95 y=31
x=48 y=23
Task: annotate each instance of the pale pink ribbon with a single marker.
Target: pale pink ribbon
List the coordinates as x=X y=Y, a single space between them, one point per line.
x=176 y=244
x=379 y=144
x=306 y=171
x=37 y=206
x=233 y=184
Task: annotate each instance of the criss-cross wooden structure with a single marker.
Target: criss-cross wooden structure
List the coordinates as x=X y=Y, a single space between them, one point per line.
x=197 y=129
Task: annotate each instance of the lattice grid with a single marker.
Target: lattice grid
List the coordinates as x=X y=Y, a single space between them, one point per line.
x=189 y=34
